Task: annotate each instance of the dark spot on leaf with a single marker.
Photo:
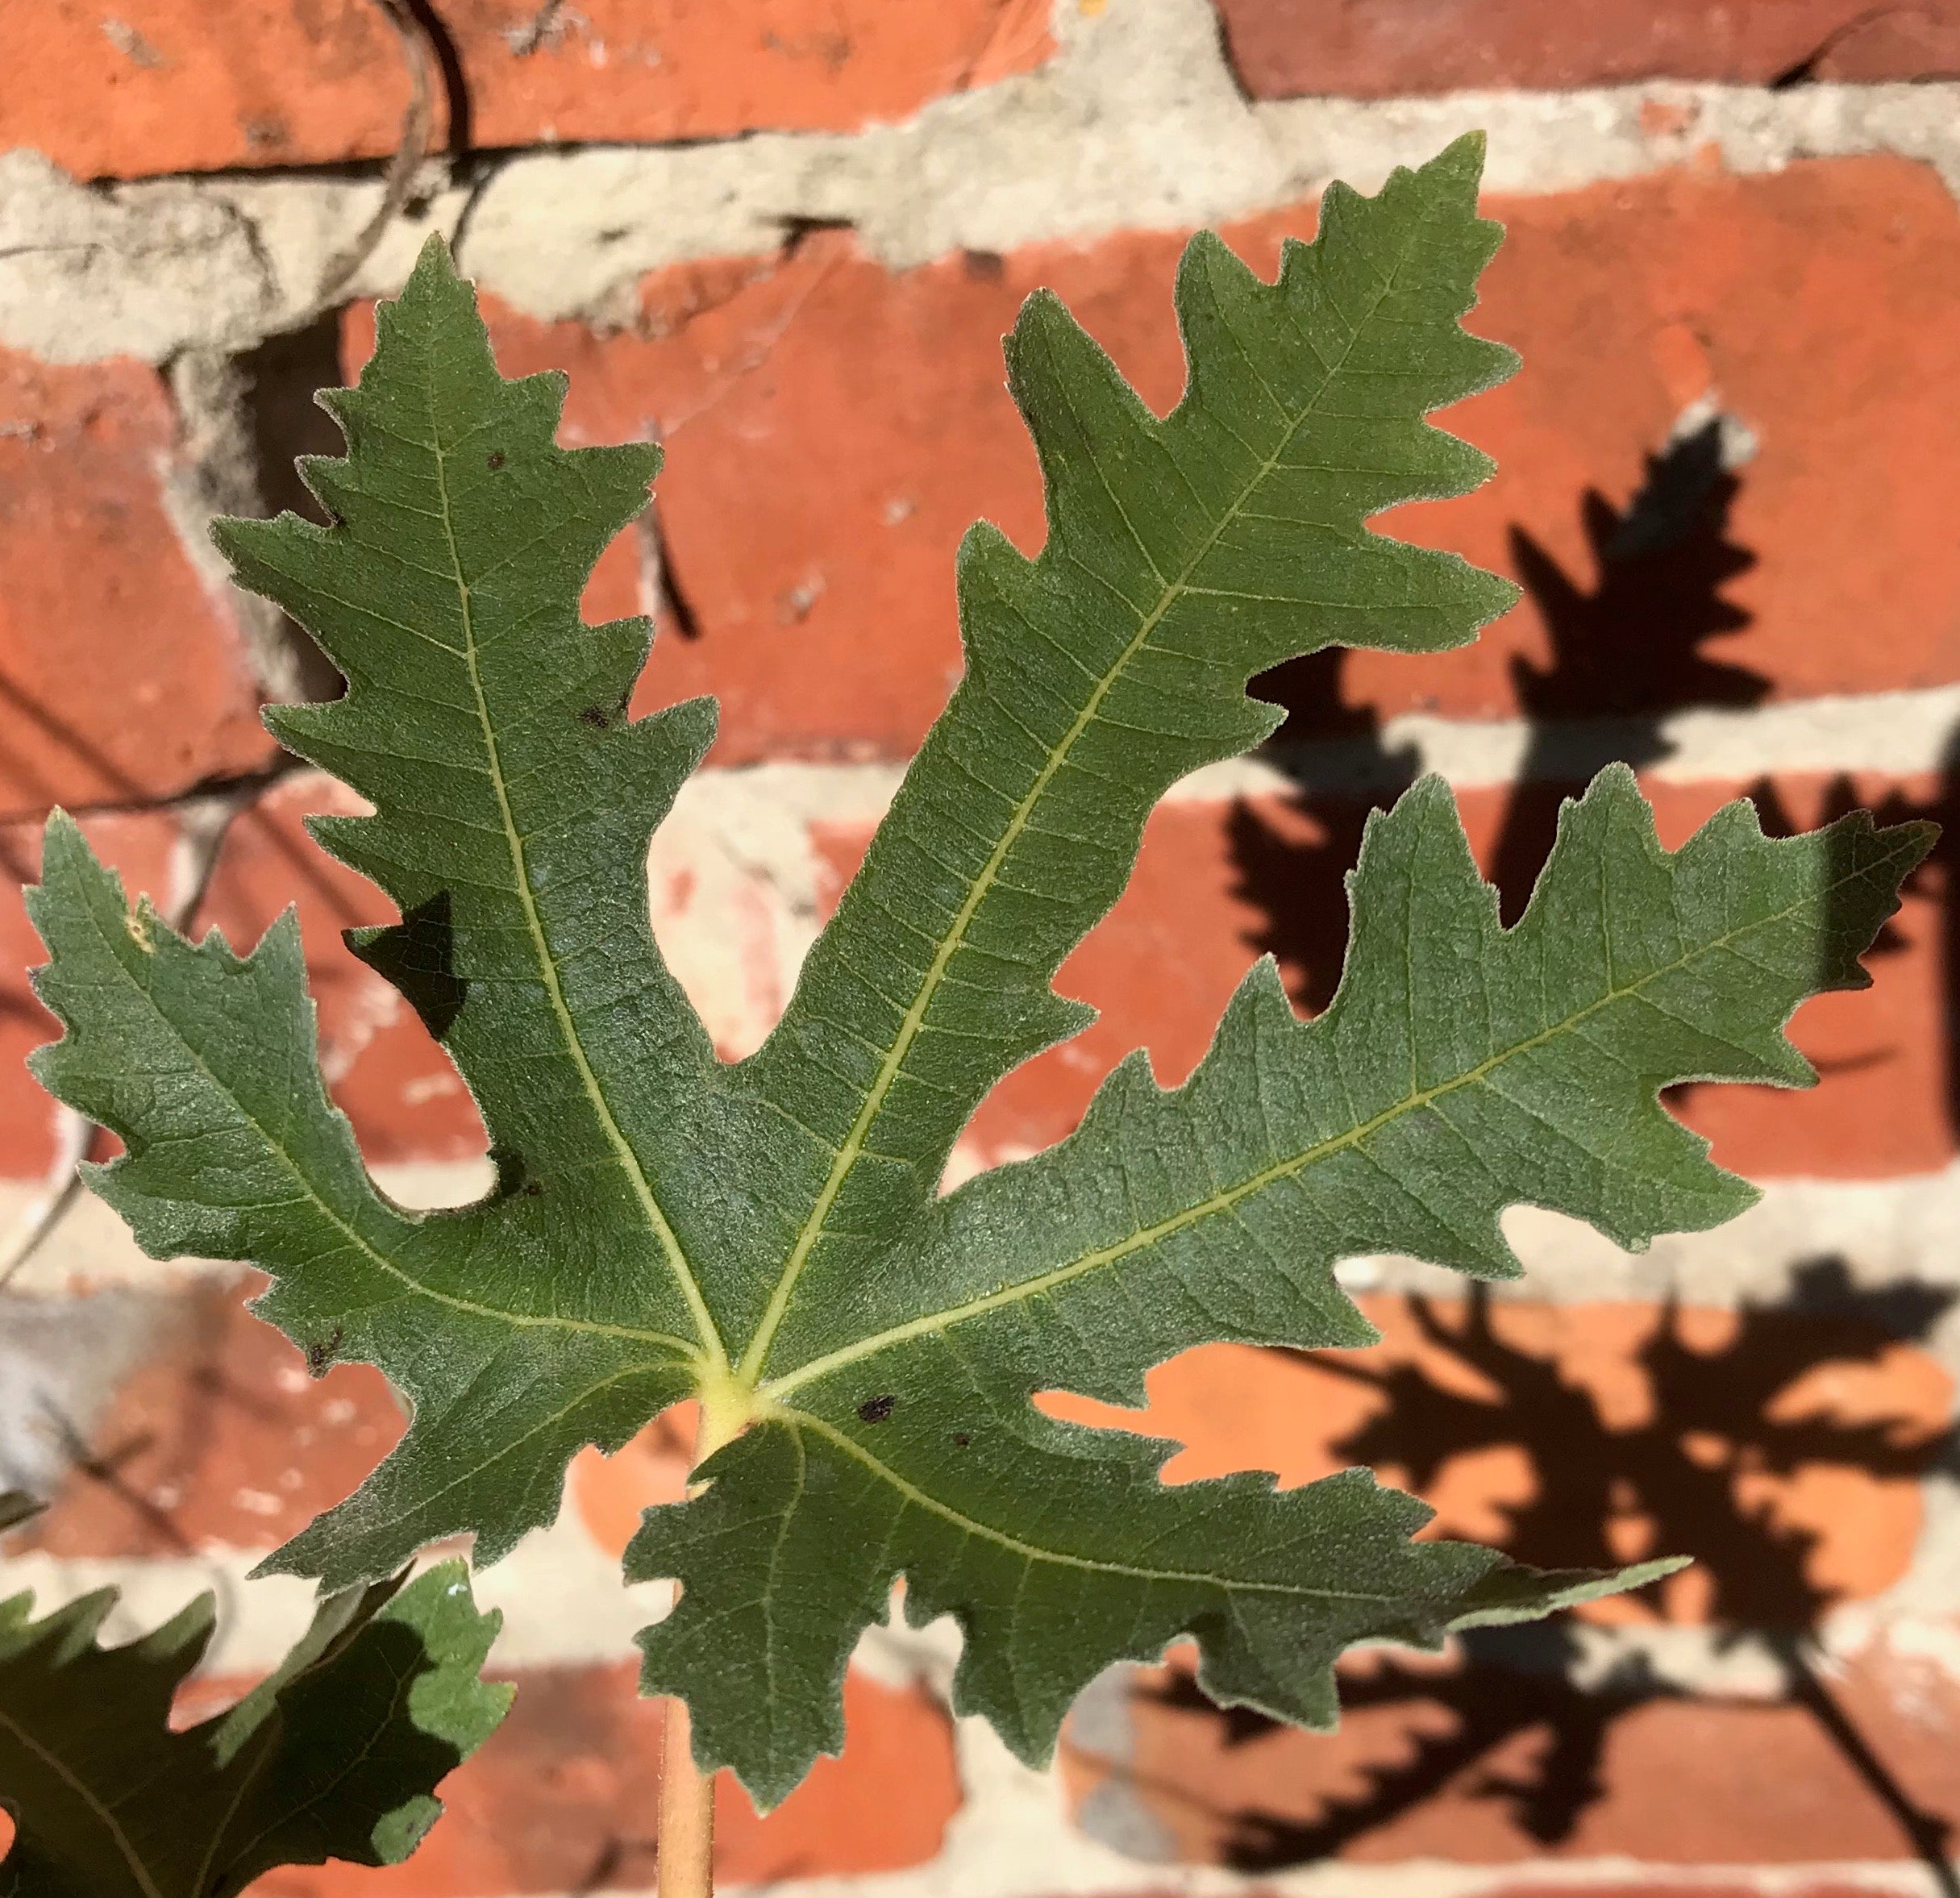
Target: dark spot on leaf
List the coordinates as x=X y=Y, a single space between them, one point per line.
x=319 y=1355
x=497 y=460
x=533 y=1187
x=962 y=1438
x=593 y=716
x=876 y=1409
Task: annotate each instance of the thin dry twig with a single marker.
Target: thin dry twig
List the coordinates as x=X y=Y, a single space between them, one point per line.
x=61 y=1189
x=419 y=50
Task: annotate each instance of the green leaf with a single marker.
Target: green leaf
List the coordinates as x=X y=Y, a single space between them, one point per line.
x=1461 y=1068
x=335 y=1756
x=768 y=1236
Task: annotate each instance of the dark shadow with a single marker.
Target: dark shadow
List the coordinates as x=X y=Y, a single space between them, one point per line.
x=1489 y=1705
x=351 y=1721
x=282 y=376
x=1636 y=643
x=1644 y=639
x=1633 y=649
x=1293 y=864
x=459 y=142
x=1711 y=1419
x=418 y=957
x=1678 y=1469
x=1937 y=880
x=1624 y=654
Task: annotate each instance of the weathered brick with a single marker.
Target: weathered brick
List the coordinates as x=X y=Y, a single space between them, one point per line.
x=405 y=1097
x=1485 y=1762
x=1794 y=1885
x=167 y=85
x=217 y=1437
x=610 y=1493
x=1217 y=883
x=123 y=677
x=810 y=508
x=1377 y=49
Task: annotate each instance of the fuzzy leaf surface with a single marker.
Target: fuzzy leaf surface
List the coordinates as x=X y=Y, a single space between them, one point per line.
x=336 y=1755
x=769 y=1235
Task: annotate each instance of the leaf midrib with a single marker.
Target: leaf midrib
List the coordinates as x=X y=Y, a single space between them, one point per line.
x=264 y=1742
x=1226 y=1198
x=242 y=1852
x=848 y=1154
x=521 y=1320
x=58 y=1767
x=800 y=1420
x=657 y=1218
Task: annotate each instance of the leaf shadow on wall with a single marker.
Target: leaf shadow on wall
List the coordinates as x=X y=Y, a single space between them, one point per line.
x=1643 y=641
x=1622 y=656
x=1695 y=1469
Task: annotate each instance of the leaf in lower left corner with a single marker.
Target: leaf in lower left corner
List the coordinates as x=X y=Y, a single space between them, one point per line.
x=336 y=1755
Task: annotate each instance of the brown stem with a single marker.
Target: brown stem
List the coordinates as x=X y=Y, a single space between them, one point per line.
x=687 y=1813
x=686 y=1862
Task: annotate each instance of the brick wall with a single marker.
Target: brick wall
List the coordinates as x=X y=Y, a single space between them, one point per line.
x=783 y=236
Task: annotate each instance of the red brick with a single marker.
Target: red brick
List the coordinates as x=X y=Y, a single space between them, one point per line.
x=1630 y=301
x=139 y=846
x=1436 y=1762
x=811 y=504
x=1217 y=883
x=220 y=1438
x=610 y=1493
x=563 y=1798
x=1781 y=1448
x=122 y=678
x=1376 y=49
x=167 y=85
x=1791 y=1885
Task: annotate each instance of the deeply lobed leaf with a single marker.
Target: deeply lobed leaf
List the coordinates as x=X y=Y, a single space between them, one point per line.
x=1462 y=1068
x=1183 y=556
x=767 y=1236
x=335 y=1756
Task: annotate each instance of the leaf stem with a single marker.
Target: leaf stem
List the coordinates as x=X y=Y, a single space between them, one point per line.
x=686 y=1866
x=687 y=1813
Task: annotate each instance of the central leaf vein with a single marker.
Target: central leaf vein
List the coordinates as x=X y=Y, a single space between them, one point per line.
x=852 y=1149
x=798 y=1421
x=548 y=967
x=1227 y=1199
